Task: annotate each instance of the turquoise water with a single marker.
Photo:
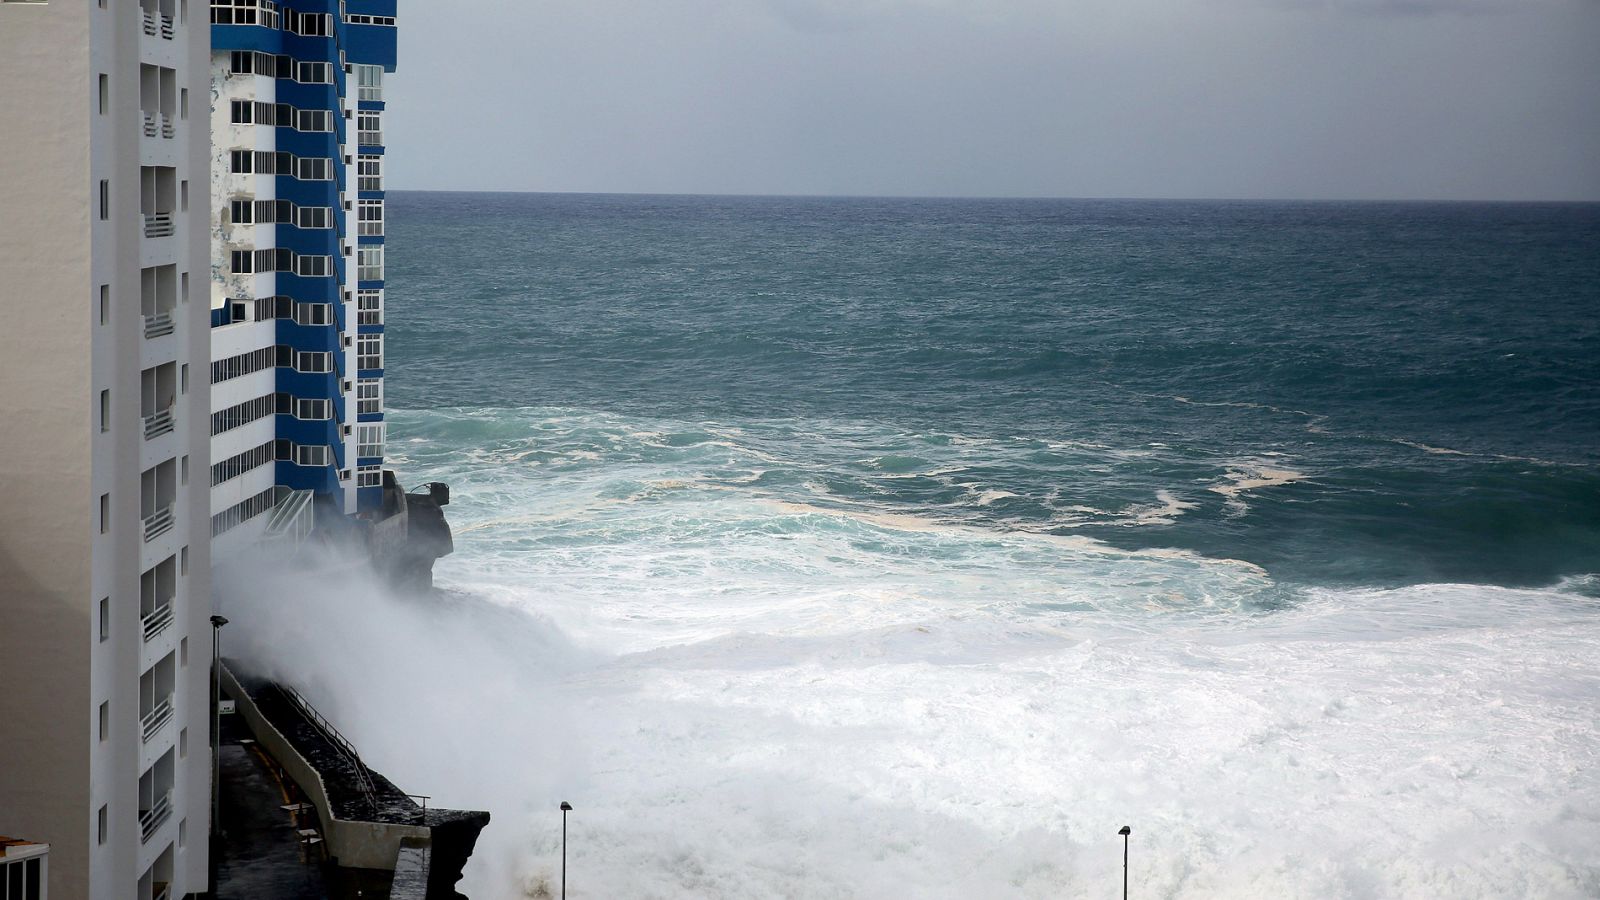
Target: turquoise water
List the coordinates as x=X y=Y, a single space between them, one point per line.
x=911 y=547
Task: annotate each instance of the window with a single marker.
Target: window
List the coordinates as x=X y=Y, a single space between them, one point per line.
x=370 y=20
x=183 y=103
x=314 y=456
x=309 y=24
x=242 y=262
x=369 y=476
x=105 y=513
x=369 y=127
x=244 y=12
x=101 y=821
x=369 y=396
x=313 y=216
x=105 y=200
x=370 y=263
x=314 y=362
x=242 y=112
x=369 y=307
x=313 y=409
x=105 y=719
x=313 y=266
x=105 y=411
x=369 y=173
x=243 y=364
x=105 y=303
x=369 y=351
x=314 y=168
x=105 y=93
x=105 y=618
x=314 y=120
x=243 y=413
x=370 y=440
x=313 y=73
x=313 y=313
x=369 y=82
x=369 y=214
x=239 y=464
x=242 y=512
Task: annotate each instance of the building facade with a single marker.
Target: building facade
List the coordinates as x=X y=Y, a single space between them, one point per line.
x=105 y=642
x=297 y=424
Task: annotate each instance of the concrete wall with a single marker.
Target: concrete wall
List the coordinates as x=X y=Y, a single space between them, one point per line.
x=355 y=845
x=47 y=500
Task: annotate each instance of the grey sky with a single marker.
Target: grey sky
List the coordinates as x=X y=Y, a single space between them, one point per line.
x=1491 y=99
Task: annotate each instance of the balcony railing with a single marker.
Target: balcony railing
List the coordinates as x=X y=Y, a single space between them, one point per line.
x=151 y=819
x=158 y=523
x=166 y=26
x=158 y=225
x=152 y=721
x=158 y=325
x=157 y=423
x=149 y=22
x=151 y=129
x=157 y=621
x=167 y=128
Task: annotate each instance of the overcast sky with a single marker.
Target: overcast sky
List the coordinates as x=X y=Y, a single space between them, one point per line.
x=1449 y=99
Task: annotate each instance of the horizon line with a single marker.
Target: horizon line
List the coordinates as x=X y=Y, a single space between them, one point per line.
x=1012 y=197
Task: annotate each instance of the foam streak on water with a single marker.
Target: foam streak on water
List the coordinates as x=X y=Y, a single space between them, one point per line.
x=752 y=686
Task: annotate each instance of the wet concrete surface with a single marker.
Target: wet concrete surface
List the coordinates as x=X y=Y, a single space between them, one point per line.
x=262 y=856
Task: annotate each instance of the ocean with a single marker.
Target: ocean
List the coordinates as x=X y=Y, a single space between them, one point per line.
x=910 y=548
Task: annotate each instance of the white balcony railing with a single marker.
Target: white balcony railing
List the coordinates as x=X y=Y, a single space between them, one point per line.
x=157 y=622
x=158 y=325
x=158 y=225
x=167 y=128
x=157 y=423
x=166 y=26
x=150 y=127
x=149 y=22
x=158 y=523
x=152 y=721
x=151 y=819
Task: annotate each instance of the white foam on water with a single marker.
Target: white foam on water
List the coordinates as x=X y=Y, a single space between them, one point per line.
x=745 y=696
x=1246 y=476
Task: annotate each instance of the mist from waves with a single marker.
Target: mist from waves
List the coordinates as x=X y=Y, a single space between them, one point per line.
x=757 y=679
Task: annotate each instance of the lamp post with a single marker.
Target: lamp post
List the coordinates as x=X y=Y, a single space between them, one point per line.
x=565 y=808
x=216 y=717
x=1125 y=832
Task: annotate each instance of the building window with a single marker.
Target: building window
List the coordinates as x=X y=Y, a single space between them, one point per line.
x=369 y=173
x=369 y=396
x=369 y=263
x=105 y=303
x=315 y=362
x=369 y=83
x=369 y=307
x=369 y=128
x=314 y=168
x=105 y=721
x=369 y=214
x=313 y=266
x=369 y=476
x=105 y=618
x=243 y=511
x=315 y=456
x=105 y=200
x=105 y=411
x=313 y=409
x=314 y=120
x=370 y=440
x=101 y=821
x=313 y=216
x=105 y=513
x=244 y=12
x=105 y=93
x=369 y=351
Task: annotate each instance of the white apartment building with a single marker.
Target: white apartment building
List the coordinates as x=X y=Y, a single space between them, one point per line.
x=105 y=640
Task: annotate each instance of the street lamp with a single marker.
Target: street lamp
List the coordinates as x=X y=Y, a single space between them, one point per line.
x=565 y=808
x=216 y=716
x=1125 y=832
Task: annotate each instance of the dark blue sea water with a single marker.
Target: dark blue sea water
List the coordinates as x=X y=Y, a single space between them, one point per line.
x=909 y=548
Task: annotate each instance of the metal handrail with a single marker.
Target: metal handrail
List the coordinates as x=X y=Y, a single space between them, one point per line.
x=151 y=819
x=152 y=721
x=340 y=744
x=158 y=423
x=158 y=523
x=157 y=621
x=158 y=325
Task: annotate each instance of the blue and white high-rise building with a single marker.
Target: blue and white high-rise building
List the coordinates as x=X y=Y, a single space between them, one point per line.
x=297 y=280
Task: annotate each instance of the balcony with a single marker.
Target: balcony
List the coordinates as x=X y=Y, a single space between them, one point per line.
x=159 y=225
x=152 y=721
x=158 y=325
x=149 y=21
x=151 y=128
x=151 y=819
x=158 y=523
x=156 y=622
x=167 y=27
x=158 y=423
